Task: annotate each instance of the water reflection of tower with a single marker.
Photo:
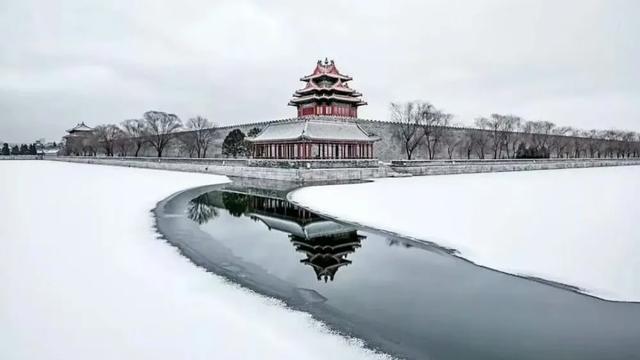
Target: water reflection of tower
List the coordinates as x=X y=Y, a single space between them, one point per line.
x=325 y=243
x=326 y=254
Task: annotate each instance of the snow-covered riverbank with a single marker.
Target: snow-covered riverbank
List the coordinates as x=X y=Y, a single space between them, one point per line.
x=578 y=227
x=84 y=277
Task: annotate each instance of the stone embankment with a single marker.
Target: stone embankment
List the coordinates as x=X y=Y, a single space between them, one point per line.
x=445 y=167
x=306 y=171
x=290 y=170
x=21 y=157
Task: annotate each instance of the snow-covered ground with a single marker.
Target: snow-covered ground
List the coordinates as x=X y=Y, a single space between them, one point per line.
x=578 y=227
x=84 y=276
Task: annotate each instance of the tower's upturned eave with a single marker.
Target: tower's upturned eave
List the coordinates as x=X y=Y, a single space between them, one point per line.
x=312 y=98
x=337 y=89
x=332 y=76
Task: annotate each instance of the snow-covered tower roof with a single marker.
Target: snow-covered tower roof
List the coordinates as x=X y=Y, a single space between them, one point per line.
x=80 y=128
x=327 y=93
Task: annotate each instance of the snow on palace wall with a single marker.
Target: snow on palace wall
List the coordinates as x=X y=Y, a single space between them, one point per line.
x=391 y=146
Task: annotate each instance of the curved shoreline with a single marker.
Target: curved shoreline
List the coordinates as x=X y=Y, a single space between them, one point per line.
x=203 y=250
x=455 y=252
x=561 y=237
x=173 y=227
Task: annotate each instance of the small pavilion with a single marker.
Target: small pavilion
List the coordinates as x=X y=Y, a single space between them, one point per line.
x=79 y=130
x=78 y=140
x=326 y=126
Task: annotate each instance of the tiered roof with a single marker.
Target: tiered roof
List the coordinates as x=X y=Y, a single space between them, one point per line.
x=327 y=254
x=328 y=84
x=81 y=127
x=318 y=128
x=312 y=230
x=79 y=130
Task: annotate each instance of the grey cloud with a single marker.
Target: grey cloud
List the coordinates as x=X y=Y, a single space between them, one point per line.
x=571 y=62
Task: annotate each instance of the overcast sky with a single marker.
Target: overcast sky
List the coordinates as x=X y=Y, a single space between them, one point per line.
x=62 y=62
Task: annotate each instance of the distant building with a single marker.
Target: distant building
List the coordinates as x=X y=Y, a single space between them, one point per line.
x=80 y=129
x=325 y=127
x=79 y=140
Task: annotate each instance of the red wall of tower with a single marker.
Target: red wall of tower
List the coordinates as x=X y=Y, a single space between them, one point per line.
x=328 y=110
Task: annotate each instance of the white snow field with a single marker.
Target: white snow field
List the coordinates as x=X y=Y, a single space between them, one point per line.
x=578 y=227
x=84 y=276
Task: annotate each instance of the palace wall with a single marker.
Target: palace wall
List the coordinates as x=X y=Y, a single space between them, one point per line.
x=391 y=145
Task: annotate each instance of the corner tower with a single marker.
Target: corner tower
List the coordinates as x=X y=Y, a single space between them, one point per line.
x=327 y=93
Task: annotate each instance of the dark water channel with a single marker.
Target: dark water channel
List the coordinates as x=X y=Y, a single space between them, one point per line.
x=399 y=296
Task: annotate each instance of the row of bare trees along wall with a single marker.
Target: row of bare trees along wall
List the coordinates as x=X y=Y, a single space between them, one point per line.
x=418 y=130
x=156 y=130
x=426 y=132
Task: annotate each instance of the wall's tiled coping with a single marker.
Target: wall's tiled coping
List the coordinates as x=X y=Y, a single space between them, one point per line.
x=410 y=163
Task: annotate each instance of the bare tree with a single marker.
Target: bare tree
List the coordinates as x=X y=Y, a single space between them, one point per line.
x=479 y=142
x=200 y=135
x=578 y=144
x=106 y=136
x=134 y=129
x=85 y=145
x=495 y=130
x=467 y=142
x=186 y=144
x=451 y=142
x=540 y=133
x=160 y=129
x=559 y=141
x=433 y=125
x=628 y=139
x=123 y=144
x=408 y=116
x=512 y=139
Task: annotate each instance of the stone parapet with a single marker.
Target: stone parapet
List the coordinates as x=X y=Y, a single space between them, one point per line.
x=20 y=157
x=242 y=169
x=444 y=167
x=302 y=175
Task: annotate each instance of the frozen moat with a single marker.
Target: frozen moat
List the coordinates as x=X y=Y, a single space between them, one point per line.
x=402 y=297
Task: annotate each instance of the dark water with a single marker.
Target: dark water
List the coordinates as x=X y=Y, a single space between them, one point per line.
x=399 y=296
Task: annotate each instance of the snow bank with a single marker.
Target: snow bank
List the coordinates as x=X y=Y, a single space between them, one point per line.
x=578 y=227
x=84 y=277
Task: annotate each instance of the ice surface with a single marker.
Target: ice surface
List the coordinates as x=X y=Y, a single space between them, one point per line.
x=577 y=227
x=84 y=277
